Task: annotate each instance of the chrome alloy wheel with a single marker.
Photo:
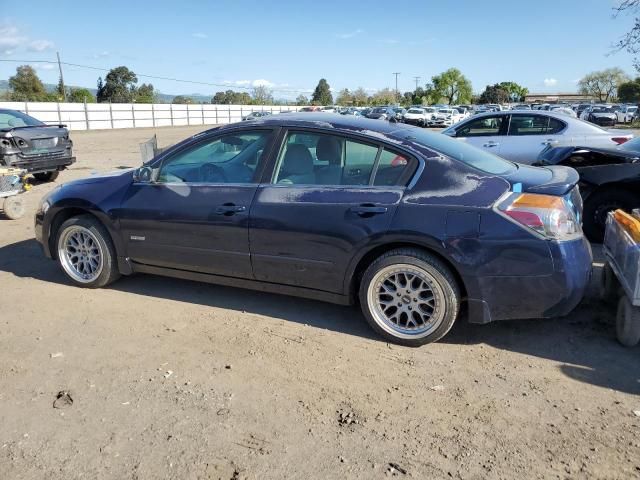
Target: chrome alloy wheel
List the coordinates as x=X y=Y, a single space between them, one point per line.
x=406 y=301
x=80 y=254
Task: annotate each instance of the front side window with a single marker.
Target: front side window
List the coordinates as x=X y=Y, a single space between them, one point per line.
x=528 y=125
x=482 y=127
x=231 y=158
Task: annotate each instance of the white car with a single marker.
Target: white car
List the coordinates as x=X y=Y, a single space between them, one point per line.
x=446 y=117
x=520 y=136
x=626 y=113
x=417 y=116
x=565 y=110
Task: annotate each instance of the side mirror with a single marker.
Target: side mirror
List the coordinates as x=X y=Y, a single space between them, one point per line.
x=143 y=174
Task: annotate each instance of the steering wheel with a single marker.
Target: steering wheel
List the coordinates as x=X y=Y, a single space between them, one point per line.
x=212 y=173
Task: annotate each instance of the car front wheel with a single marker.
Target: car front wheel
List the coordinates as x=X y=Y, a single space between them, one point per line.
x=47 y=176
x=599 y=204
x=86 y=253
x=410 y=297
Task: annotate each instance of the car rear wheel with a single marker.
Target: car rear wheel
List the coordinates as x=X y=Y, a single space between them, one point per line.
x=86 y=253
x=410 y=297
x=599 y=204
x=47 y=176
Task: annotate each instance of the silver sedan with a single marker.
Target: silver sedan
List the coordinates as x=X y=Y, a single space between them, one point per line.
x=520 y=136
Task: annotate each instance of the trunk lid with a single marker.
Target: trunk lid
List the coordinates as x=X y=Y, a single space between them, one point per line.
x=34 y=140
x=552 y=180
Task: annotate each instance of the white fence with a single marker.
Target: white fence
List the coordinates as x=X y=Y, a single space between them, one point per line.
x=95 y=116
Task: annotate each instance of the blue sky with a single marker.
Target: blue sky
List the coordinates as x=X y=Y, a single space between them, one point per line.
x=288 y=45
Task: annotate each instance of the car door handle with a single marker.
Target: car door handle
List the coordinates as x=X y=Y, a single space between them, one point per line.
x=550 y=142
x=229 y=209
x=491 y=144
x=368 y=210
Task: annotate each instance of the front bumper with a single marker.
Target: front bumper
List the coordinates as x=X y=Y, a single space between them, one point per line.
x=415 y=121
x=546 y=296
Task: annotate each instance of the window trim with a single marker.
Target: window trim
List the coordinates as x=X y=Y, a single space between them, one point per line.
x=157 y=163
x=269 y=177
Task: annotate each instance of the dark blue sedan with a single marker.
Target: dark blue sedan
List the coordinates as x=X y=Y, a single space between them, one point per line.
x=407 y=223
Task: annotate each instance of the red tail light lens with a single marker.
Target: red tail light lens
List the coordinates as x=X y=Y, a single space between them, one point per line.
x=619 y=140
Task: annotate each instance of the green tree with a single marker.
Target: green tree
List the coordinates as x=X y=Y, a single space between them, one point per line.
x=80 y=95
x=25 y=85
x=119 y=86
x=144 y=93
x=262 y=95
x=360 y=97
x=344 y=97
x=453 y=86
x=494 y=94
x=385 y=96
x=181 y=99
x=629 y=92
x=302 y=100
x=516 y=92
x=232 y=98
x=602 y=84
x=322 y=94
x=60 y=89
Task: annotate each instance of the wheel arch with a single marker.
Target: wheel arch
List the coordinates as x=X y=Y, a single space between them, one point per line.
x=369 y=256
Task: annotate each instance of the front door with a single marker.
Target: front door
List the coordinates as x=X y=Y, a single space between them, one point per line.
x=195 y=216
x=329 y=196
x=486 y=132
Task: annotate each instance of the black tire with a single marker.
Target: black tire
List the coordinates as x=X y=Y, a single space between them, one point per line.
x=609 y=288
x=47 y=176
x=599 y=203
x=628 y=323
x=445 y=290
x=109 y=272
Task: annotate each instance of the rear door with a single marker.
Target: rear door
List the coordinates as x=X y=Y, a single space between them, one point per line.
x=327 y=197
x=529 y=135
x=486 y=132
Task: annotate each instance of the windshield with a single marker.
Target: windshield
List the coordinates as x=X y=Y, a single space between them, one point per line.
x=444 y=110
x=602 y=110
x=380 y=110
x=13 y=118
x=461 y=151
x=415 y=110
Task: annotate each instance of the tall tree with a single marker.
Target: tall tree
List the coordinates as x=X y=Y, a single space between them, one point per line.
x=629 y=92
x=360 y=97
x=80 y=95
x=516 y=92
x=602 y=84
x=322 y=94
x=495 y=94
x=119 y=86
x=26 y=85
x=302 y=100
x=262 y=95
x=181 y=99
x=453 y=86
x=385 y=96
x=344 y=97
x=60 y=89
x=144 y=93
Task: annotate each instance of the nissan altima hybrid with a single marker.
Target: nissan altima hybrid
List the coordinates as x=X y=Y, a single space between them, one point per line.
x=410 y=225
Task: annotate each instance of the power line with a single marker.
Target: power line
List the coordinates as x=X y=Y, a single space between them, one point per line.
x=156 y=77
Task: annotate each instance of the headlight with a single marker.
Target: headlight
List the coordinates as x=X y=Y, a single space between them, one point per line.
x=44 y=207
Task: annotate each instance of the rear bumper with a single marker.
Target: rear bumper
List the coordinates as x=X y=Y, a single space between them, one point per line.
x=43 y=163
x=546 y=296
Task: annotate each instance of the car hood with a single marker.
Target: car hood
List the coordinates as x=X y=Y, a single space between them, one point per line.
x=103 y=178
x=603 y=114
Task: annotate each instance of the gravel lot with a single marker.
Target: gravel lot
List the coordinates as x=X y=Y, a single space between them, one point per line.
x=175 y=379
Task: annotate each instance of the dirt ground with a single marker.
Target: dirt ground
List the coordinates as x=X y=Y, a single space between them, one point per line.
x=175 y=379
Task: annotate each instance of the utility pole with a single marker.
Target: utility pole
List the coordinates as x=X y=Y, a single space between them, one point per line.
x=64 y=90
x=417 y=79
x=397 y=93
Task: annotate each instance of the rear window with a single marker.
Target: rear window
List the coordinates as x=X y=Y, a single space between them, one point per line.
x=14 y=118
x=461 y=151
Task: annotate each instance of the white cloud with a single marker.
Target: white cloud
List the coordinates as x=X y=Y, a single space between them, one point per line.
x=40 y=45
x=349 y=34
x=102 y=54
x=10 y=37
x=550 y=82
x=261 y=82
x=199 y=35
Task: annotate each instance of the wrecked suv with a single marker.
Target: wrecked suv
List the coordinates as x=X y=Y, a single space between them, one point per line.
x=27 y=143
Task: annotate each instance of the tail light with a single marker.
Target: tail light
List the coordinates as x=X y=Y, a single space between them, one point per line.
x=619 y=140
x=549 y=216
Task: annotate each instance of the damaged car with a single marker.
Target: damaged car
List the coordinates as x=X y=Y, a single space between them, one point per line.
x=27 y=143
x=609 y=179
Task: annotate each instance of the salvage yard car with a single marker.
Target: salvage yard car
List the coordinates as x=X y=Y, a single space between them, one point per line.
x=603 y=115
x=405 y=222
x=417 y=116
x=609 y=179
x=27 y=143
x=520 y=136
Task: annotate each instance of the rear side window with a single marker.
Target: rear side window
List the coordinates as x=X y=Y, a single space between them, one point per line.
x=393 y=169
x=555 y=126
